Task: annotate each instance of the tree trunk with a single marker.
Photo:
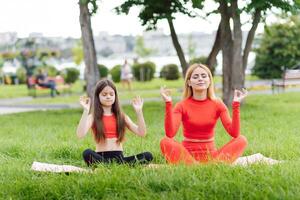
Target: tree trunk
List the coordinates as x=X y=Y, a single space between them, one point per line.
x=237 y=59
x=177 y=46
x=250 y=37
x=212 y=57
x=91 y=70
x=226 y=45
x=231 y=50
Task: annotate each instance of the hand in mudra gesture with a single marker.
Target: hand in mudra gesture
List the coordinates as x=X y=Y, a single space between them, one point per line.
x=165 y=94
x=239 y=95
x=85 y=102
x=137 y=103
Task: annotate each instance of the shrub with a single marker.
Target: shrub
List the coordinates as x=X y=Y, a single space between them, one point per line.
x=116 y=73
x=144 y=71
x=71 y=75
x=21 y=75
x=170 y=72
x=103 y=70
x=278 y=49
x=50 y=70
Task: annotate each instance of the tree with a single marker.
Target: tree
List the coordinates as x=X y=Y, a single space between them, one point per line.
x=229 y=38
x=191 y=47
x=154 y=10
x=91 y=70
x=279 y=49
x=140 y=48
x=77 y=52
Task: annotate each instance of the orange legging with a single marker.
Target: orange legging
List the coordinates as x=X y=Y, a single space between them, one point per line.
x=195 y=152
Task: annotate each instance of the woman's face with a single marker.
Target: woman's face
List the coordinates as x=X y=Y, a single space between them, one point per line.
x=107 y=96
x=199 y=79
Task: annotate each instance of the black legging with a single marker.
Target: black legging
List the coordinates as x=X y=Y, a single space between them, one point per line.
x=91 y=157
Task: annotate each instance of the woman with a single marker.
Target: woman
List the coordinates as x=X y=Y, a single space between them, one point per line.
x=199 y=112
x=126 y=75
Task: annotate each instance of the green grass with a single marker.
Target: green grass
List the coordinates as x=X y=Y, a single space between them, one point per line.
x=270 y=122
x=14 y=91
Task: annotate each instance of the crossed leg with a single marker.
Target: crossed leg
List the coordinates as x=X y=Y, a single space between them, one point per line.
x=175 y=153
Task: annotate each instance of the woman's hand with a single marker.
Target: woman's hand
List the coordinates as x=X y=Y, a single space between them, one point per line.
x=137 y=103
x=165 y=94
x=85 y=102
x=239 y=95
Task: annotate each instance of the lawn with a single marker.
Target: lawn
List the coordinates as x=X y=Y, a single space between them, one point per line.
x=270 y=122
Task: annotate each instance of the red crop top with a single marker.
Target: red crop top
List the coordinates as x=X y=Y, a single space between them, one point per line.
x=109 y=126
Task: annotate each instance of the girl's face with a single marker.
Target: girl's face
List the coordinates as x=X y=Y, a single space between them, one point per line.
x=107 y=96
x=199 y=79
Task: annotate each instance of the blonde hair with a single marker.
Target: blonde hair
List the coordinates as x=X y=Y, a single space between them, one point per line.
x=188 y=92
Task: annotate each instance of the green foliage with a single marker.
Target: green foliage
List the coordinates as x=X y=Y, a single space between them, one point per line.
x=21 y=74
x=140 y=48
x=279 y=49
x=284 y=5
x=170 y=72
x=1 y=61
x=202 y=60
x=71 y=75
x=43 y=54
x=144 y=71
x=51 y=71
x=77 y=53
x=154 y=10
x=103 y=70
x=116 y=73
x=8 y=55
x=191 y=47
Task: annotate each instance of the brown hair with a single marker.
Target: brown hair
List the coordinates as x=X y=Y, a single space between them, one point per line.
x=97 y=112
x=188 y=92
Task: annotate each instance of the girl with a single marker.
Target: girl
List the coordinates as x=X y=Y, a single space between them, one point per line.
x=108 y=123
x=199 y=112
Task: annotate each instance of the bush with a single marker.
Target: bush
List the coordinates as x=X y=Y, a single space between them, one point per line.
x=278 y=49
x=71 y=75
x=103 y=70
x=144 y=71
x=170 y=72
x=202 y=60
x=116 y=73
x=21 y=75
x=50 y=70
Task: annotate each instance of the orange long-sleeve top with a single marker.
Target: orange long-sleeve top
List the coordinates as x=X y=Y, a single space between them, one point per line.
x=199 y=118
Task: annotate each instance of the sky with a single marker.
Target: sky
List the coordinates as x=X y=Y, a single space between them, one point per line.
x=54 y=18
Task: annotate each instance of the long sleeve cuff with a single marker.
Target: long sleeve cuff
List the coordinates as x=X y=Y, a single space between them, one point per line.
x=236 y=104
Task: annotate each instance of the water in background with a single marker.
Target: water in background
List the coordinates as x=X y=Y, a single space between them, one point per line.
x=111 y=62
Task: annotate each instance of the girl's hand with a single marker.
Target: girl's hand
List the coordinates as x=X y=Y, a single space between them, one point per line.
x=137 y=103
x=165 y=94
x=85 y=102
x=239 y=95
